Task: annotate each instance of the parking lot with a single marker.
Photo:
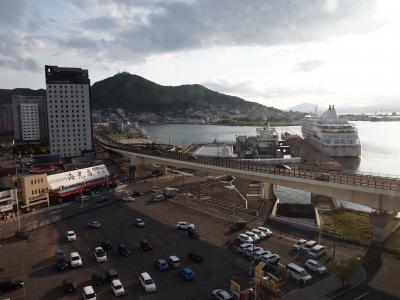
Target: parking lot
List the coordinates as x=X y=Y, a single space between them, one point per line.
x=34 y=260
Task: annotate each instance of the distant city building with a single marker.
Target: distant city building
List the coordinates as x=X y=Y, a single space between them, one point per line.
x=29 y=118
x=69 y=112
x=7 y=202
x=6 y=120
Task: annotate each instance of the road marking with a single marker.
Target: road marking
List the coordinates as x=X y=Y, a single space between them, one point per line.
x=362 y=296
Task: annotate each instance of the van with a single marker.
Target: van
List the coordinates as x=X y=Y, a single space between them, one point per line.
x=88 y=293
x=316 y=251
x=298 y=273
x=308 y=245
x=146 y=282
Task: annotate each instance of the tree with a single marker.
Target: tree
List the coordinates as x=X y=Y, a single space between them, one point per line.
x=344 y=268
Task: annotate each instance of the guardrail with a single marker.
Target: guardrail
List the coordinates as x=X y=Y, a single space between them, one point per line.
x=305 y=172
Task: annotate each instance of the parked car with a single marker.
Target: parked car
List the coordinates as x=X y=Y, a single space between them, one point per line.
x=244 y=238
x=298 y=246
x=254 y=236
x=270 y=258
x=140 y=223
x=267 y=231
x=298 y=273
x=68 y=285
x=315 y=266
x=10 y=285
x=112 y=274
x=158 y=198
x=62 y=264
x=186 y=274
x=124 y=250
x=106 y=245
x=146 y=246
x=98 y=279
x=88 y=293
x=100 y=254
x=93 y=224
x=128 y=199
x=260 y=233
x=147 y=282
x=308 y=246
x=174 y=261
x=193 y=234
x=249 y=251
x=76 y=260
x=220 y=294
x=161 y=264
x=244 y=246
x=239 y=225
x=60 y=253
x=195 y=257
x=184 y=225
x=117 y=288
x=71 y=236
x=155 y=189
x=137 y=194
x=259 y=253
x=317 y=251
x=23 y=235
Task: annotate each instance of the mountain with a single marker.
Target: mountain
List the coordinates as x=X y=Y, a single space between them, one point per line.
x=303 y=107
x=137 y=94
x=6 y=95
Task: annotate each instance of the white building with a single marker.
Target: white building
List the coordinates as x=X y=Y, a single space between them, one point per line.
x=68 y=108
x=30 y=118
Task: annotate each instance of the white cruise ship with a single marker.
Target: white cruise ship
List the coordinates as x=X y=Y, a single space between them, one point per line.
x=334 y=137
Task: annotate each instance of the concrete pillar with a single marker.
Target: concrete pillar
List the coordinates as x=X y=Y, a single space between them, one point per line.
x=163 y=170
x=137 y=167
x=383 y=223
x=268 y=191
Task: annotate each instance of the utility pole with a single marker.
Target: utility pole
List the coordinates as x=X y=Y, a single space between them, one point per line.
x=334 y=242
x=18 y=213
x=234 y=203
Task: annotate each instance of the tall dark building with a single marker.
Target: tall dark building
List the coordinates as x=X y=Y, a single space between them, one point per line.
x=68 y=109
x=6 y=120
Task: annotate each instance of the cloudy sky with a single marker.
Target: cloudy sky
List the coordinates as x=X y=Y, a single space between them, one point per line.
x=276 y=52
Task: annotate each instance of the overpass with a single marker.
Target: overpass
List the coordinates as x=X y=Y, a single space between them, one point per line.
x=377 y=192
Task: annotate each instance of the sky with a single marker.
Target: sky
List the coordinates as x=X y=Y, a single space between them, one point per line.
x=277 y=52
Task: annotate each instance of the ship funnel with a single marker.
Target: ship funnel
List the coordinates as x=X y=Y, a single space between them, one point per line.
x=329 y=107
x=333 y=107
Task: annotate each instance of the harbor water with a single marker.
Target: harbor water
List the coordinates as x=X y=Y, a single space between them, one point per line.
x=380 y=147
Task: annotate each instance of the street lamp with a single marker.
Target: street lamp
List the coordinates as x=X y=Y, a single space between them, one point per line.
x=233 y=189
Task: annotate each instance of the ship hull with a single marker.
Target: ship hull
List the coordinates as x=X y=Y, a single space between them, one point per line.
x=336 y=151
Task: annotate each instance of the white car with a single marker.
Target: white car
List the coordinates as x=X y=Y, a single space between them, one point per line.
x=117 y=288
x=184 y=225
x=155 y=189
x=254 y=236
x=270 y=258
x=100 y=254
x=76 y=260
x=243 y=247
x=221 y=295
x=260 y=233
x=88 y=293
x=140 y=223
x=249 y=251
x=245 y=238
x=265 y=230
x=309 y=245
x=71 y=236
x=128 y=199
x=147 y=283
x=315 y=266
x=299 y=245
x=259 y=253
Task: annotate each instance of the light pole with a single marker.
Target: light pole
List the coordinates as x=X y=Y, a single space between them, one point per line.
x=233 y=189
x=18 y=213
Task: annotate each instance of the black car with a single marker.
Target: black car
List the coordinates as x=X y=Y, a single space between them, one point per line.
x=146 y=246
x=124 y=250
x=62 y=264
x=137 y=194
x=106 y=245
x=10 y=285
x=112 y=274
x=195 y=257
x=68 y=285
x=98 y=279
x=239 y=225
x=193 y=233
x=23 y=235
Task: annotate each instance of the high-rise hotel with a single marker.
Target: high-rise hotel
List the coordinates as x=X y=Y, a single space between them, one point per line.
x=68 y=109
